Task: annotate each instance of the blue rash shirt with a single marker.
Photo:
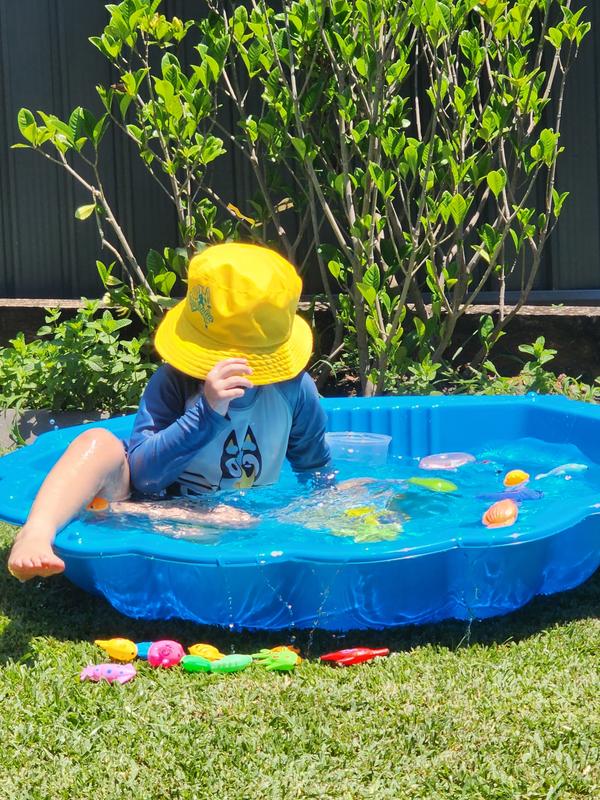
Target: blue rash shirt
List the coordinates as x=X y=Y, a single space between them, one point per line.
x=178 y=438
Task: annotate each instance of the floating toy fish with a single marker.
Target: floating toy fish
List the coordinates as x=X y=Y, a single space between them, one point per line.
x=165 y=653
x=206 y=651
x=501 y=514
x=280 y=661
x=355 y=655
x=446 y=460
x=142 y=649
x=515 y=477
x=368 y=524
x=362 y=511
x=118 y=649
x=236 y=662
x=196 y=664
x=113 y=673
x=434 y=484
x=98 y=504
x=563 y=470
x=516 y=493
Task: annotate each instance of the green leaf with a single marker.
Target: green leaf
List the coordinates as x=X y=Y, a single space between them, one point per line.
x=458 y=208
x=368 y=292
x=83 y=212
x=154 y=262
x=299 y=146
x=27 y=125
x=496 y=181
x=372 y=277
x=411 y=156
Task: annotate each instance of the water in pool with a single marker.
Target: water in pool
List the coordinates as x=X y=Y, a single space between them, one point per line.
x=401 y=507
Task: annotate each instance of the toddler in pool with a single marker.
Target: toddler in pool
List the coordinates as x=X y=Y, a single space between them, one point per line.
x=231 y=401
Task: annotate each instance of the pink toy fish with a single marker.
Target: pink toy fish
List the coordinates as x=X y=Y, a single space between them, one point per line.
x=165 y=653
x=113 y=673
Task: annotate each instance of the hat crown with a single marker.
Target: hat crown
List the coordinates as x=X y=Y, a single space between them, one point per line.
x=242 y=295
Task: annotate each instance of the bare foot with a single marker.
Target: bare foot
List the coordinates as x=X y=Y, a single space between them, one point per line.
x=32 y=556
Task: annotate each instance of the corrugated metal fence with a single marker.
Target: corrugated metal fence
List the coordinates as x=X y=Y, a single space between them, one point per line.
x=47 y=63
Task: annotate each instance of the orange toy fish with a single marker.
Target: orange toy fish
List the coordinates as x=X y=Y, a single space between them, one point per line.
x=98 y=504
x=501 y=514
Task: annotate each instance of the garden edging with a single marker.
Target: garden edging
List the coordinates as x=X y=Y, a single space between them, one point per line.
x=33 y=422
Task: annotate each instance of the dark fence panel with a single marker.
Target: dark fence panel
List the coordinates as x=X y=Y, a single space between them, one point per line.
x=46 y=62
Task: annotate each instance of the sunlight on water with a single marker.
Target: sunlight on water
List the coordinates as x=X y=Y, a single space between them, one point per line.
x=391 y=513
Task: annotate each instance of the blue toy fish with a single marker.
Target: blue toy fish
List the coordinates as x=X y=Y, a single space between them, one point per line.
x=518 y=494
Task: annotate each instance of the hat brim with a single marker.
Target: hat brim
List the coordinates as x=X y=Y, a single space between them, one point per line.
x=184 y=347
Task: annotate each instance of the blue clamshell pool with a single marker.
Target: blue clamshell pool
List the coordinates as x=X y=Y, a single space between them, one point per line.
x=409 y=546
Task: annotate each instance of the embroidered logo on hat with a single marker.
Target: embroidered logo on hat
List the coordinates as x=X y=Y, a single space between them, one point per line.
x=199 y=300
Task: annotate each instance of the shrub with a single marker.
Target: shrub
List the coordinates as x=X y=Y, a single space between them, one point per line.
x=416 y=142
x=76 y=364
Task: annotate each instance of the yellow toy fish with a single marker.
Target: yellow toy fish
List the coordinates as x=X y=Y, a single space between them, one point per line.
x=515 y=477
x=207 y=651
x=118 y=649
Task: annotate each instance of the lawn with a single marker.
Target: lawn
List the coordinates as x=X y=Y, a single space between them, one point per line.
x=509 y=708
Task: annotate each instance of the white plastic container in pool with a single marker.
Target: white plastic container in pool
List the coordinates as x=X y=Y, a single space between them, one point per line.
x=369 y=448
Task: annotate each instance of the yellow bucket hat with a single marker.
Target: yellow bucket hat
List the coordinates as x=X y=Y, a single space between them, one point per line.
x=241 y=303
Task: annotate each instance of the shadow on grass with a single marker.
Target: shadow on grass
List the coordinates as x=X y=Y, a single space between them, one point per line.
x=58 y=609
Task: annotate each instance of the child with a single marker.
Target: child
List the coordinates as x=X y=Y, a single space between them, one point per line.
x=203 y=423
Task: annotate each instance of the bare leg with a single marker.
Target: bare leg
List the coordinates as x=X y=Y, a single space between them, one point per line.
x=93 y=464
x=181 y=510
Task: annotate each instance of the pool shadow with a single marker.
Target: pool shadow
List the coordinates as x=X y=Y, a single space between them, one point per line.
x=56 y=608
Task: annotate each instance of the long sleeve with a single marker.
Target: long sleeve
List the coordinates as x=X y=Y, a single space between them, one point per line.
x=165 y=434
x=307 y=449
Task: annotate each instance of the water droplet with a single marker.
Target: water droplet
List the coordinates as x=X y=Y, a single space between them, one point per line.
x=52 y=422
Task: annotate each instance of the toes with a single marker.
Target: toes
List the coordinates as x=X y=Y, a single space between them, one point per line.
x=39 y=566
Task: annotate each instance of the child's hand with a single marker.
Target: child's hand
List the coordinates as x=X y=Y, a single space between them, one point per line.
x=226 y=381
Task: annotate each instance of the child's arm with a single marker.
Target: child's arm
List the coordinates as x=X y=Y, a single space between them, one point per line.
x=307 y=449
x=165 y=435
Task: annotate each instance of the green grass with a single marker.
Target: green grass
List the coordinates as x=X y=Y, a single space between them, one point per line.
x=506 y=709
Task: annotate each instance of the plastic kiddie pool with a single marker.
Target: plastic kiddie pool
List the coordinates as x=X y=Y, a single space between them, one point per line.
x=328 y=582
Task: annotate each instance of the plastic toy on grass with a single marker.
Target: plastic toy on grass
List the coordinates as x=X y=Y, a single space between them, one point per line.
x=446 y=460
x=285 y=647
x=118 y=649
x=196 y=664
x=236 y=662
x=165 y=653
x=112 y=673
x=501 y=514
x=355 y=655
x=207 y=651
x=282 y=660
x=142 y=649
